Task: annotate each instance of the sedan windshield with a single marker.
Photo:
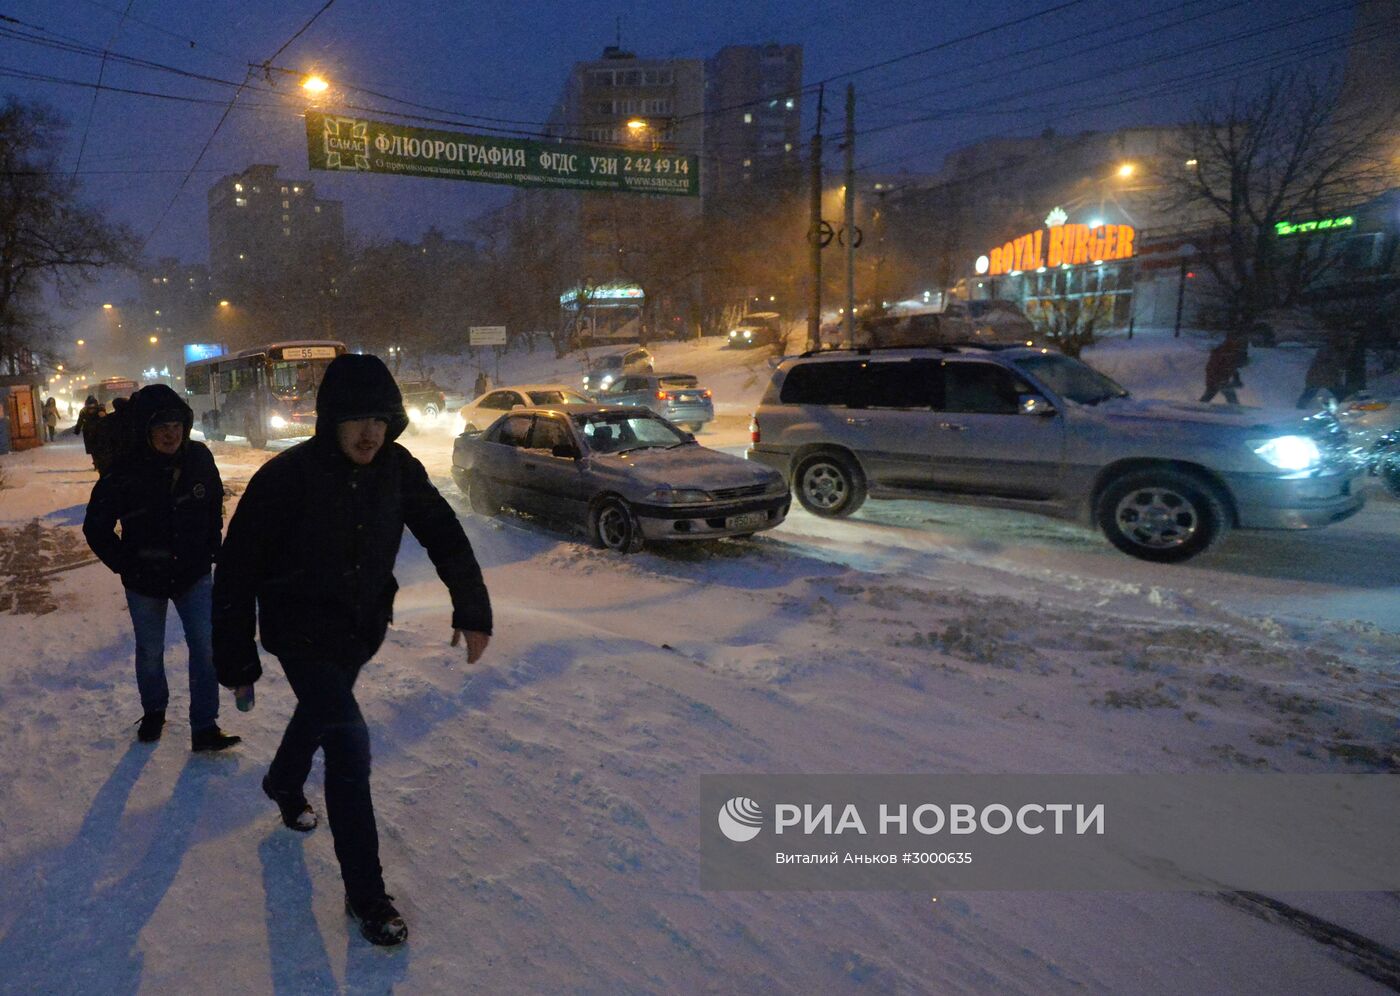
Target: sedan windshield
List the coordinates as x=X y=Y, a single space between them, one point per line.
x=1071 y=379
x=617 y=432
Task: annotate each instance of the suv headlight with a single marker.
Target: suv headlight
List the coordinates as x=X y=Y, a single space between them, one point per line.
x=277 y=422
x=667 y=495
x=1288 y=452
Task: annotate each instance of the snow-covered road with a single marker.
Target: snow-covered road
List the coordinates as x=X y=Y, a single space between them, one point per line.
x=538 y=813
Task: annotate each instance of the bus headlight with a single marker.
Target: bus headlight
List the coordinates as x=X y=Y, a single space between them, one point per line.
x=277 y=422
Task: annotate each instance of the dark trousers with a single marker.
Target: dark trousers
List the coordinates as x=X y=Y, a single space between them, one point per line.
x=327 y=716
x=1228 y=390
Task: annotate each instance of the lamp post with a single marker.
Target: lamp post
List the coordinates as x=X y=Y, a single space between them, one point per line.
x=1186 y=251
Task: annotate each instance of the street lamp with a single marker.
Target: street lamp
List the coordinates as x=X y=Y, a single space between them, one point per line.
x=223 y=304
x=154 y=340
x=314 y=84
x=1126 y=170
x=106 y=307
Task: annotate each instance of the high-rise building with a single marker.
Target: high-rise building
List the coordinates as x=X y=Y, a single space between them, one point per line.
x=753 y=119
x=622 y=99
x=267 y=232
x=175 y=299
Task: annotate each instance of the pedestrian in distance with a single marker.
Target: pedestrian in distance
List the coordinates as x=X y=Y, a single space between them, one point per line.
x=1325 y=372
x=88 y=417
x=309 y=557
x=168 y=497
x=50 y=417
x=1223 y=368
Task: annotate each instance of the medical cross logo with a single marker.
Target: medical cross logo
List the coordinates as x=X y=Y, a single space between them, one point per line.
x=346 y=144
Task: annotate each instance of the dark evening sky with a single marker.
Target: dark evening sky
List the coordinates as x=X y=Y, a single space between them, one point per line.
x=1095 y=64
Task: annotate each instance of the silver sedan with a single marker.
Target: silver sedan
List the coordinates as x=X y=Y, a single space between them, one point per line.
x=625 y=476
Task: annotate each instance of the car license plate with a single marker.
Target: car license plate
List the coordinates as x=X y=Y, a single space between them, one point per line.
x=749 y=520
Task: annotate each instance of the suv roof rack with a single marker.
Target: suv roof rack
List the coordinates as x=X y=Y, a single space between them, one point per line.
x=943 y=347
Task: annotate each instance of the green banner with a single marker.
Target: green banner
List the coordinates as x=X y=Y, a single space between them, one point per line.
x=358 y=145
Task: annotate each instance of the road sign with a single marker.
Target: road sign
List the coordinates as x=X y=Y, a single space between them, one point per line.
x=359 y=145
x=487 y=335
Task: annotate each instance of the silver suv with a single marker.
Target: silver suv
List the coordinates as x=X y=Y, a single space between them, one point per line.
x=1034 y=429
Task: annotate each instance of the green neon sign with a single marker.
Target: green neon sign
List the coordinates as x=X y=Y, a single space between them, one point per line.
x=1283 y=228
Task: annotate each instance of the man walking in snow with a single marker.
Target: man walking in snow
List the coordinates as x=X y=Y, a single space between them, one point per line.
x=313 y=544
x=166 y=493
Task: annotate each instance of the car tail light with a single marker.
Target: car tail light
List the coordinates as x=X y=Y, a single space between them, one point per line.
x=662 y=396
x=706 y=393
x=754 y=434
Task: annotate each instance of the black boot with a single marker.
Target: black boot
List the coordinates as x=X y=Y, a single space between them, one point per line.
x=151 y=724
x=379 y=922
x=212 y=738
x=297 y=813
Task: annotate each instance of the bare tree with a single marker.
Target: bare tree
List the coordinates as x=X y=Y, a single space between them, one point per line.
x=47 y=237
x=1071 y=323
x=1255 y=159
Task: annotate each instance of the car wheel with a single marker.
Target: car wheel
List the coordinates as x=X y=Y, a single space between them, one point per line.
x=615 y=527
x=829 y=485
x=1163 y=516
x=1389 y=472
x=430 y=411
x=480 y=496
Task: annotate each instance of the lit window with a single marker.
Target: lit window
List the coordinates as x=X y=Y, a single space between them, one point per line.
x=286 y=231
x=238 y=188
x=165 y=280
x=286 y=204
x=240 y=202
x=286 y=218
x=790 y=104
x=748 y=162
x=284 y=190
x=242 y=255
x=787 y=146
x=318 y=209
x=748 y=118
x=155 y=280
x=296 y=190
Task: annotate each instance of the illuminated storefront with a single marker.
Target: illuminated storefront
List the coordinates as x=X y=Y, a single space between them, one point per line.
x=1063 y=262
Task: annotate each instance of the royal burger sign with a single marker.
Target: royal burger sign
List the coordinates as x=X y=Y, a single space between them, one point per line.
x=1059 y=245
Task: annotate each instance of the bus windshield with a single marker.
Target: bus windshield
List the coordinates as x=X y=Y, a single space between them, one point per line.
x=297 y=378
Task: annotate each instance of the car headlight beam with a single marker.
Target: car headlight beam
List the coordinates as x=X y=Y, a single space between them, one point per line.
x=1293 y=453
x=277 y=422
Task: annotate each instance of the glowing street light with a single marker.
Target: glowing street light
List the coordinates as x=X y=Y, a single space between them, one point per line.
x=223 y=304
x=82 y=342
x=1126 y=170
x=636 y=126
x=314 y=84
x=106 y=307
x=154 y=340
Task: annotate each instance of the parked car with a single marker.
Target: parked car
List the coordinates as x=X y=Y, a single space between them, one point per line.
x=422 y=399
x=481 y=412
x=1033 y=429
x=678 y=397
x=606 y=368
x=624 y=475
x=757 y=329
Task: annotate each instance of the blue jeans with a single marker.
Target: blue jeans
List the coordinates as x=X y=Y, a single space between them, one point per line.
x=194 y=605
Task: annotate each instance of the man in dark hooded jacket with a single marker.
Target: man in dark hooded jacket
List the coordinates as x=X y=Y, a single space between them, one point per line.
x=313 y=543
x=88 y=417
x=166 y=493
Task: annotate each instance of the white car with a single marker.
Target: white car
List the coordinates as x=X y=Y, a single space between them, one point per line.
x=478 y=414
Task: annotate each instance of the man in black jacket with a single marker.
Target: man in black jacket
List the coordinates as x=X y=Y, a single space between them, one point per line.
x=168 y=497
x=313 y=544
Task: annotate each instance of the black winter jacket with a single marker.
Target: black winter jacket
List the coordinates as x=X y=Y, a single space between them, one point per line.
x=315 y=536
x=170 y=508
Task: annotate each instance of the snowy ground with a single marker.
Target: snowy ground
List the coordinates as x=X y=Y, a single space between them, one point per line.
x=537 y=813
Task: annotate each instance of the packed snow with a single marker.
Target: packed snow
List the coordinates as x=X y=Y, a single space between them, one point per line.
x=538 y=812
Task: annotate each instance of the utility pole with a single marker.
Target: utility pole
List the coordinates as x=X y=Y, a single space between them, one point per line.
x=814 y=233
x=850 y=213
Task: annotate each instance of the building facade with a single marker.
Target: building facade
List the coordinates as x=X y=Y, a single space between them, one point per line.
x=269 y=235
x=753 y=121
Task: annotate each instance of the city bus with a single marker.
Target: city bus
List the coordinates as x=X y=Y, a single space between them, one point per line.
x=266 y=392
x=114 y=387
